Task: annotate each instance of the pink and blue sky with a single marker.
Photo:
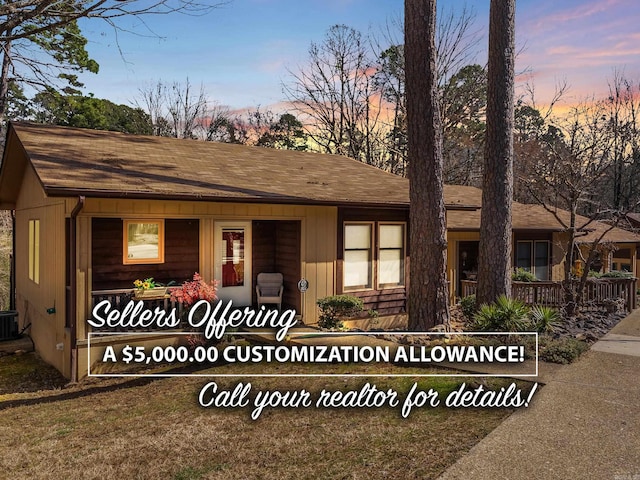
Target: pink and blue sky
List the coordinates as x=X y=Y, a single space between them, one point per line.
x=240 y=52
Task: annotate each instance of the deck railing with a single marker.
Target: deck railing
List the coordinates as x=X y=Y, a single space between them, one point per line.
x=552 y=294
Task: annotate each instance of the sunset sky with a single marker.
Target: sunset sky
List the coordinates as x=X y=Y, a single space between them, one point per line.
x=241 y=51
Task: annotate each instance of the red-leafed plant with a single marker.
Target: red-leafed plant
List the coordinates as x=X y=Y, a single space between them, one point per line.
x=195 y=290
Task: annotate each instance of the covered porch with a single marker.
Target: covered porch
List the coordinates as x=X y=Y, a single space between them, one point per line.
x=234 y=252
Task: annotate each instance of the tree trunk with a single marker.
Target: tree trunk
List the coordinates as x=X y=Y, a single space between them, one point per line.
x=4 y=80
x=569 y=260
x=494 y=258
x=428 y=301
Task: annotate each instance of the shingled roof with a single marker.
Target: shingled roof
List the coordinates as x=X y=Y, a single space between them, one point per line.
x=535 y=217
x=72 y=161
x=95 y=163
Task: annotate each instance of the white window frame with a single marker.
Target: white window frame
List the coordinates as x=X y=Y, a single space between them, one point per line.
x=356 y=288
x=403 y=256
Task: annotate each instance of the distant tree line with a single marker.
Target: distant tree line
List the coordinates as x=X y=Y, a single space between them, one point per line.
x=349 y=98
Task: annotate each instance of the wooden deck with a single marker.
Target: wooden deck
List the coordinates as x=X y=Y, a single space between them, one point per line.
x=551 y=294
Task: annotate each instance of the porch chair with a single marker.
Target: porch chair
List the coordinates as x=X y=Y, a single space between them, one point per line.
x=269 y=288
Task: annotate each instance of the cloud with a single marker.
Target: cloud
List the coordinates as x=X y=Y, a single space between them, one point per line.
x=582 y=12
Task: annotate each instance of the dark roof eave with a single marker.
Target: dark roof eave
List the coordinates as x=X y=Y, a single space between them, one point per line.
x=515 y=229
x=74 y=192
x=461 y=208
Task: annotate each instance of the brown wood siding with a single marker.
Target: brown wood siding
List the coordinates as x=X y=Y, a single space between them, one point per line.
x=318 y=241
x=182 y=247
x=276 y=248
x=372 y=215
x=521 y=235
x=387 y=301
x=288 y=260
x=263 y=252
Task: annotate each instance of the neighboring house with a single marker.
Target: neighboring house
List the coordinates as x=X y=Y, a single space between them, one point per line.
x=631 y=222
x=226 y=211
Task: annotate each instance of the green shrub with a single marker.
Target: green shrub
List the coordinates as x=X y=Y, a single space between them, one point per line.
x=561 y=350
x=544 y=319
x=522 y=275
x=616 y=274
x=336 y=308
x=468 y=307
x=505 y=315
x=611 y=274
x=486 y=318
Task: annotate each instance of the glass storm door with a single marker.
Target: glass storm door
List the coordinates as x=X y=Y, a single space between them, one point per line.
x=232 y=258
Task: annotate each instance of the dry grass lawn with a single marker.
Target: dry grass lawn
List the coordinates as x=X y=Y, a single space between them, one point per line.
x=154 y=429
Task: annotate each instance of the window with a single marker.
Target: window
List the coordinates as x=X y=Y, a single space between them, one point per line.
x=143 y=242
x=374 y=257
x=622 y=260
x=233 y=257
x=34 y=251
x=358 y=271
x=533 y=256
x=391 y=255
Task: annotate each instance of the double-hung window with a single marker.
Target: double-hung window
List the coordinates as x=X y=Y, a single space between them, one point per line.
x=374 y=255
x=533 y=256
x=390 y=255
x=358 y=258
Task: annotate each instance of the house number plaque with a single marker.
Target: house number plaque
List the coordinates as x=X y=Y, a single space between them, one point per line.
x=303 y=285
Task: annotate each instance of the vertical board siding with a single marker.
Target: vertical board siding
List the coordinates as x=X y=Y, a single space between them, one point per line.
x=276 y=248
x=263 y=251
x=33 y=300
x=319 y=257
x=287 y=260
x=182 y=254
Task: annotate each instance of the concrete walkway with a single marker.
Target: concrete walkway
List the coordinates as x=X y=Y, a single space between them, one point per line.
x=584 y=423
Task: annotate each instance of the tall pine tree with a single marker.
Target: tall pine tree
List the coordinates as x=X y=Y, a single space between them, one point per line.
x=428 y=301
x=494 y=258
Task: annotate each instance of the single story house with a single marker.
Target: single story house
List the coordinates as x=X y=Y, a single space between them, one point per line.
x=96 y=210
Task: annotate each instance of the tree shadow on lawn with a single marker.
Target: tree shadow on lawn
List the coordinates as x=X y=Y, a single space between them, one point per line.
x=41 y=383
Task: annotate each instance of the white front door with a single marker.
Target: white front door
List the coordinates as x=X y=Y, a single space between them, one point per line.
x=232 y=245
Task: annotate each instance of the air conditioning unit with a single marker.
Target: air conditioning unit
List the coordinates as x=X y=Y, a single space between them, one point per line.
x=8 y=324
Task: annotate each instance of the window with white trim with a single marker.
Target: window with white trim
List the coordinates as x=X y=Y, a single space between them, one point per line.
x=358 y=265
x=34 y=251
x=390 y=255
x=374 y=255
